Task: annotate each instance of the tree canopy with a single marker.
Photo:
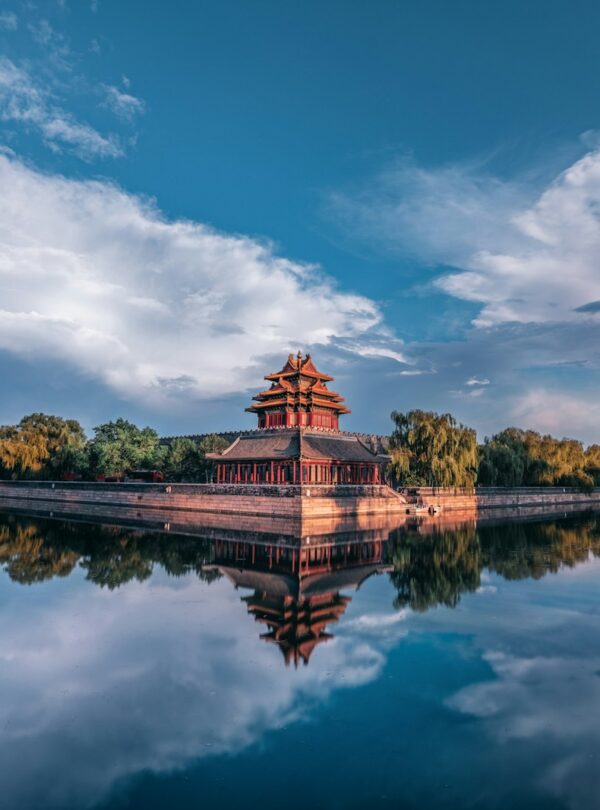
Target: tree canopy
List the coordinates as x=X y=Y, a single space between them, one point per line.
x=185 y=459
x=430 y=449
x=120 y=446
x=514 y=458
x=43 y=446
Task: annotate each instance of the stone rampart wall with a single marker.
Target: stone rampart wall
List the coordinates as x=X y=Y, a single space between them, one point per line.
x=288 y=502
x=240 y=499
x=489 y=498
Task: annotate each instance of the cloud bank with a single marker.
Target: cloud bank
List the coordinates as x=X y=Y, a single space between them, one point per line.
x=524 y=256
x=525 y=253
x=98 y=279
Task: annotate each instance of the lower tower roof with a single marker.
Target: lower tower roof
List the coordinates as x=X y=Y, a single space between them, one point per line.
x=297 y=444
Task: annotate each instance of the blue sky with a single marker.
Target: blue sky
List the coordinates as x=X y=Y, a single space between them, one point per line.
x=408 y=190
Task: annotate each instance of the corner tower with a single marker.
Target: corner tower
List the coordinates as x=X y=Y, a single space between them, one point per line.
x=298 y=397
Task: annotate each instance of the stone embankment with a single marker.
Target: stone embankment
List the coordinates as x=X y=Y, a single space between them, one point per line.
x=225 y=499
x=288 y=502
x=486 y=499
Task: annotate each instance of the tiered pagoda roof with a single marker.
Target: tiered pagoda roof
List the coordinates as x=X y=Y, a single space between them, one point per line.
x=298 y=439
x=299 y=387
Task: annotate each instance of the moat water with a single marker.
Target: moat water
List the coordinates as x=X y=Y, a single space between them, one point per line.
x=416 y=667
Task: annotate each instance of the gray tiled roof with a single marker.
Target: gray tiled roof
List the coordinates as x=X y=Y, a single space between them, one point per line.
x=376 y=443
x=272 y=445
x=336 y=447
x=296 y=443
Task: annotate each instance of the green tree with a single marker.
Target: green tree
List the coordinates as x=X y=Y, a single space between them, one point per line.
x=431 y=449
x=120 y=446
x=183 y=460
x=500 y=465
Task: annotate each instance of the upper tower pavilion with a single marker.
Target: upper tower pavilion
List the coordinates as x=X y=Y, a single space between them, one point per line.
x=298 y=397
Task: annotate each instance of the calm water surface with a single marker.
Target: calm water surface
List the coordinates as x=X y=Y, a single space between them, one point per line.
x=458 y=668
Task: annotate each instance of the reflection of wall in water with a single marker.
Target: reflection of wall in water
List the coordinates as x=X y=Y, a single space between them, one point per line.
x=297 y=582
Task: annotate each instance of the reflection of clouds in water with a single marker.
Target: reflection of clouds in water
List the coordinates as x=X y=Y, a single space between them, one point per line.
x=96 y=686
x=532 y=696
x=551 y=704
x=486 y=589
x=99 y=685
x=383 y=623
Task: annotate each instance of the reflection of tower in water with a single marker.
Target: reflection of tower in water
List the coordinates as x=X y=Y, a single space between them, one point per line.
x=297 y=626
x=296 y=585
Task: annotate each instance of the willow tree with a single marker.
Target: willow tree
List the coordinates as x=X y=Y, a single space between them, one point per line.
x=592 y=463
x=430 y=449
x=42 y=446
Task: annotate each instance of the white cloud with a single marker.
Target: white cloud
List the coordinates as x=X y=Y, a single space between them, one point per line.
x=8 y=21
x=124 y=105
x=24 y=102
x=438 y=216
x=557 y=413
x=97 y=278
x=475 y=381
x=57 y=54
x=523 y=258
